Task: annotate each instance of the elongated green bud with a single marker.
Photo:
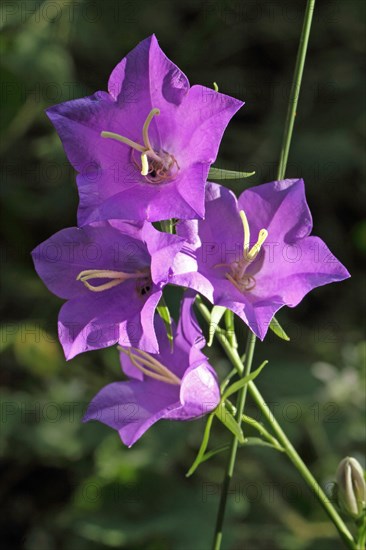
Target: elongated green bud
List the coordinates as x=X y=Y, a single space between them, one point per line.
x=351 y=487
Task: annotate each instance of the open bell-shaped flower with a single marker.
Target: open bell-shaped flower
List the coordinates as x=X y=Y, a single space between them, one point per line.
x=144 y=148
x=254 y=254
x=176 y=384
x=111 y=274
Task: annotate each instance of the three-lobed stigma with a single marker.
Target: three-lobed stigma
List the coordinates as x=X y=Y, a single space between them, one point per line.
x=155 y=166
x=238 y=275
x=115 y=278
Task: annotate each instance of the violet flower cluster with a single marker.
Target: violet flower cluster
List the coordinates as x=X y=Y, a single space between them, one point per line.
x=143 y=151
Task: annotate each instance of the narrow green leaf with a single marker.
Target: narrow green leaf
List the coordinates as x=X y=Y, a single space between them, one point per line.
x=263 y=432
x=260 y=442
x=278 y=330
x=229 y=422
x=221 y=174
x=214 y=452
x=216 y=314
x=243 y=381
x=164 y=313
x=203 y=447
x=227 y=379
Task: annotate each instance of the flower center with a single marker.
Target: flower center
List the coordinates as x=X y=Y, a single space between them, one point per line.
x=150 y=366
x=114 y=278
x=156 y=166
x=243 y=281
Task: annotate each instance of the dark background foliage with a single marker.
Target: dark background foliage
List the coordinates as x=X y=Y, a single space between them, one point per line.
x=71 y=486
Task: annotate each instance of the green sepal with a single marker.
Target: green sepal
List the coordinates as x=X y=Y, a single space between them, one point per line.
x=217 y=313
x=221 y=174
x=278 y=330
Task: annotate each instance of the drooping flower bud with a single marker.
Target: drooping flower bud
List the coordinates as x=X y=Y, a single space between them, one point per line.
x=351 y=487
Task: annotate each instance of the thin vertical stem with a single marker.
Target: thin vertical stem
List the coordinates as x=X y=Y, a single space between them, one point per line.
x=287 y=136
x=234 y=445
x=295 y=89
x=236 y=361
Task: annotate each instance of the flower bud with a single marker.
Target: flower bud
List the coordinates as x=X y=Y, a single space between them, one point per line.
x=351 y=487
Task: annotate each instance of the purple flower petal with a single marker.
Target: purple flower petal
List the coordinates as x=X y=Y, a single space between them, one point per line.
x=122 y=312
x=187 y=134
x=288 y=266
x=132 y=407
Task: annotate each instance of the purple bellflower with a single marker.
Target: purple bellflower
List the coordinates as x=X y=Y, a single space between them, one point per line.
x=176 y=384
x=111 y=274
x=254 y=255
x=144 y=148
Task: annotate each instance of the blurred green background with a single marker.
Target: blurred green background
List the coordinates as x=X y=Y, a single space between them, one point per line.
x=65 y=485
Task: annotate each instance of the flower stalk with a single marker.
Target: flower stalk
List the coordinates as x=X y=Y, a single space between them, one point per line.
x=281 y=438
x=232 y=352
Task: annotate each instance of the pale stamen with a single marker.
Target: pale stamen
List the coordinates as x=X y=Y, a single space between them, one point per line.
x=144 y=165
x=150 y=366
x=116 y=278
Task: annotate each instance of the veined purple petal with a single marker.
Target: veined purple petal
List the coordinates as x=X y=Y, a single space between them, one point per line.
x=288 y=266
x=187 y=131
x=75 y=262
x=132 y=407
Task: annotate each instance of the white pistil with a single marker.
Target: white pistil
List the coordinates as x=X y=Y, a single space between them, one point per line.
x=245 y=223
x=238 y=276
x=116 y=278
x=150 y=366
x=146 y=150
x=123 y=139
x=145 y=128
x=251 y=254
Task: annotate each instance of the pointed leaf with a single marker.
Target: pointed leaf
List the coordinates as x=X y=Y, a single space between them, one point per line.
x=243 y=381
x=214 y=452
x=229 y=422
x=278 y=330
x=221 y=174
x=216 y=314
x=203 y=447
x=260 y=442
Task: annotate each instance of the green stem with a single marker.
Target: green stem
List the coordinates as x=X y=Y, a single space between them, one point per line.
x=302 y=468
x=361 y=535
x=281 y=437
x=295 y=89
x=232 y=352
x=234 y=445
x=167 y=226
